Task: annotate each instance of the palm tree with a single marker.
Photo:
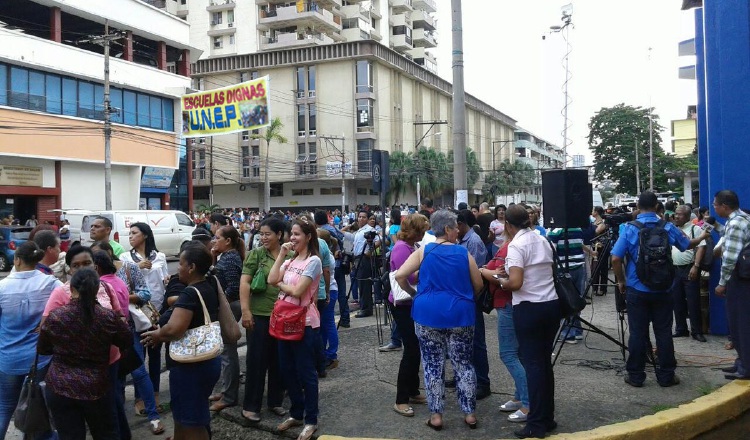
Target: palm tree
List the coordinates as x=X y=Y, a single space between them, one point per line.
x=473 y=168
x=272 y=133
x=433 y=169
x=401 y=175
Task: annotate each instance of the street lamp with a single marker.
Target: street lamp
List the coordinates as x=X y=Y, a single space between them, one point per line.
x=567 y=20
x=499 y=151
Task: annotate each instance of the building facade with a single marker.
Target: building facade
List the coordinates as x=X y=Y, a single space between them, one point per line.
x=52 y=104
x=337 y=103
x=539 y=155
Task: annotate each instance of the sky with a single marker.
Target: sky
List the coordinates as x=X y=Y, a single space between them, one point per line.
x=508 y=65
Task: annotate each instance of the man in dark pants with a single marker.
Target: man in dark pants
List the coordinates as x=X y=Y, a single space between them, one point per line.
x=686 y=290
x=644 y=304
x=736 y=237
x=321 y=219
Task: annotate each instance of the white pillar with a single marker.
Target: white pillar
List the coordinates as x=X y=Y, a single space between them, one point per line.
x=687 y=188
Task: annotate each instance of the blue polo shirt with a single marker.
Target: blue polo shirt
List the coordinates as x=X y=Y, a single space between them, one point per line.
x=627 y=244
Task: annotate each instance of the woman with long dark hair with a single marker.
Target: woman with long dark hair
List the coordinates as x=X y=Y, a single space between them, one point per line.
x=190 y=384
x=229 y=250
x=298 y=281
x=256 y=305
x=23 y=295
x=153 y=266
x=79 y=335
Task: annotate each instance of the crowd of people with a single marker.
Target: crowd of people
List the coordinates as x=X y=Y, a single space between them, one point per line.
x=74 y=309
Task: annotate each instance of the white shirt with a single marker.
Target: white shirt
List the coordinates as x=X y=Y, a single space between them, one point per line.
x=154 y=277
x=532 y=253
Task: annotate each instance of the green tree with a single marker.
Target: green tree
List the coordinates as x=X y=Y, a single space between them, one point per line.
x=508 y=178
x=208 y=208
x=401 y=176
x=272 y=133
x=433 y=170
x=473 y=168
x=614 y=135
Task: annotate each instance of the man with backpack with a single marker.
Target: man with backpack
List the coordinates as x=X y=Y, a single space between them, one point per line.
x=686 y=290
x=647 y=242
x=734 y=281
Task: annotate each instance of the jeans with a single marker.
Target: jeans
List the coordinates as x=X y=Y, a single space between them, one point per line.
x=738 y=305
x=10 y=391
x=395 y=333
x=686 y=294
x=230 y=365
x=407 y=384
x=481 y=364
x=297 y=362
x=579 y=280
x=328 y=332
x=262 y=357
x=536 y=325
x=72 y=415
x=506 y=337
x=144 y=389
x=654 y=308
x=118 y=403
x=354 y=282
x=457 y=342
x=364 y=275
x=338 y=274
x=154 y=367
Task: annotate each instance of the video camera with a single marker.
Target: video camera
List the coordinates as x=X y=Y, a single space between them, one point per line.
x=618 y=217
x=370 y=235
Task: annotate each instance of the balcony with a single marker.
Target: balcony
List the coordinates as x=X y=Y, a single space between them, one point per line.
x=421 y=56
x=356 y=11
x=311 y=16
x=401 y=43
x=425 y=5
x=290 y=40
x=375 y=13
x=375 y=35
x=221 y=29
x=401 y=5
x=400 y=19
x=423 y=38
x=220 y=5
x=424 y=20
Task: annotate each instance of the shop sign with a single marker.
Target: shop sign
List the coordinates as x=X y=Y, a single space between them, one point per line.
x=15 y=175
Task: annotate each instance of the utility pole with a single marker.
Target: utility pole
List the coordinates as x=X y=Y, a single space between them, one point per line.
x=105 y=41
x=211 y=172
x=416 y=148
x=459 y=107
x=637 y=171
x=331 y=141
x=650 y=136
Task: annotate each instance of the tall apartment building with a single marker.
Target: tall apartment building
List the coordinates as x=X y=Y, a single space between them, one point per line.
x=52 y=104
x=539 y=154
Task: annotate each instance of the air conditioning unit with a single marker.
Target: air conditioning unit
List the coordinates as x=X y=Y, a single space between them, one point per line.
x=230 y=24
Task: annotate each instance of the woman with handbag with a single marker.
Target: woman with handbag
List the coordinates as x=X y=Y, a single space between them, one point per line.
x=145 y=402
x=536 y=316
x=23 y=295
x=79 y=336
x=518 y=406
x=298 y=281
x=153 y=266
x=411 y=231
x=190 y=384
x=257 y=297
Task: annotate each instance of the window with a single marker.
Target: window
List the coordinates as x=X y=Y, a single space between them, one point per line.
x=143 y=110
x=364 y=77
x=245 y=161
x=300 y=82
x=256 y=161
x=129 y=107
x=311 y=82
x=230 y=16
x=330 y=191
x=361 y=191
x=70 y=97
x=167 y=114
x=19 y=87
x=312 y=158
x=183 y=220
x=3 y=85
x=312 y=113
x=302 y=192
x=115 y=98
x=245 y=135
x=155 y=111
x=37 y=100
x=365 y=122
x=364 y=155
x=301 y=159
x=202 y=164
x=216 y=18
x=301 y=126
x=277 y=190
x=350 y=23
x=218 y=43
x=86 y=100
x=231 y=39
x=54 y=94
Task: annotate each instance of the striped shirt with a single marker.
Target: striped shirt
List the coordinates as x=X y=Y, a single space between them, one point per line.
x=570 y=250
x=736 y=237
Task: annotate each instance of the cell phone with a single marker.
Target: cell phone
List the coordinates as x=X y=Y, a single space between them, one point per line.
x=707 y=227
x=497 y=277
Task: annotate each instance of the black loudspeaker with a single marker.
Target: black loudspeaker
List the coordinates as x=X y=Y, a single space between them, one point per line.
x=567 y=197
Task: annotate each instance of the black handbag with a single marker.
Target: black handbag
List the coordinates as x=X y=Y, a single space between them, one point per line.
x=571 y=301
x=486 y=299
x=346 y=263
x=31 y=415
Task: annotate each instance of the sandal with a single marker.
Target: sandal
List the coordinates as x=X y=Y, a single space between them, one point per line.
x=251 y=416
x=289 y=423
x=408 y=412
x=140 y=408
x=218 y=406
x=156 y=427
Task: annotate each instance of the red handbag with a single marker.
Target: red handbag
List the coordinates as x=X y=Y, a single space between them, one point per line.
x=287 y=321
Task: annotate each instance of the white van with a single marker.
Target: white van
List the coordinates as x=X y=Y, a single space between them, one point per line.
x=597 y=199
x=171 y=228
x=75 y=218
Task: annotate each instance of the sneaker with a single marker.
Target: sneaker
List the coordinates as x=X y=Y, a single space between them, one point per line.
x=579 y=337
x=517 y=417
x=331 y=364
x=675 y=381
x=510 y=406
x=569 y=340
x=633 y=383
x=389 y=347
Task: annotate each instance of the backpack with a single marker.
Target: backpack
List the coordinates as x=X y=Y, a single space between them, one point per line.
x=654 y=263
x=708 y=257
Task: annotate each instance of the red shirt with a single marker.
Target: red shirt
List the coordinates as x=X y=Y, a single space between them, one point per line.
x=501 y=297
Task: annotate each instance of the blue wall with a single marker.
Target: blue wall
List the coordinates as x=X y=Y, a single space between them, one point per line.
x=723 y=76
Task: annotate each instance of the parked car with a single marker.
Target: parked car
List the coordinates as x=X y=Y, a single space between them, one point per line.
x=10 y=238
x=171 y=228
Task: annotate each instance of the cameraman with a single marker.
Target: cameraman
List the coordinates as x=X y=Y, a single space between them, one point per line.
x=365 y=243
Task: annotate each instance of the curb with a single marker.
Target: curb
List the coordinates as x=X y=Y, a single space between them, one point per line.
x=684 y=422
